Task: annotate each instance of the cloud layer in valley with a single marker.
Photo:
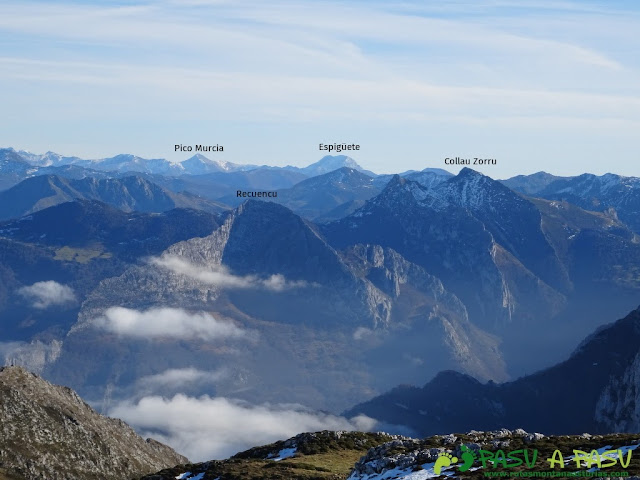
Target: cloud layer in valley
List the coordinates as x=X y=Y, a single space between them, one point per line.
x=178 y=378
x=222 y=278
x=46 y=294
x=207 y=428
x=167 y=322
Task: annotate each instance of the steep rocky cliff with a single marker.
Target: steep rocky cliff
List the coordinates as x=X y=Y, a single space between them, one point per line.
x=47 y=432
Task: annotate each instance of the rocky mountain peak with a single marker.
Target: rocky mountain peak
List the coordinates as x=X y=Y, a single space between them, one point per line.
x=467 y=172
x=396 y=180
x=401 y=193
x=10 y=155
x=48 y=431
x=329 y=163
x=199 y=164
x=266 y=238
x=345 y=173
x=471 y=189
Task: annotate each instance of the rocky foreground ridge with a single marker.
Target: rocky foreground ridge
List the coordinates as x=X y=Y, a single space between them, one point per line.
x=47 y=432
x=378 y=456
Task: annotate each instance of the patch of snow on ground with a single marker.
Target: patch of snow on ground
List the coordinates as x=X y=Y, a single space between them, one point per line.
x=285 y=453
x=186 y=476
x=404 y=474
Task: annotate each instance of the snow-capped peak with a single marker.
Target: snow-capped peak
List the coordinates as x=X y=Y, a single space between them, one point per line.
x=473 y=190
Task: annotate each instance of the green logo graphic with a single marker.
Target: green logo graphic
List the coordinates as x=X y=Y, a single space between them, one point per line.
x=468 y=457
x=444 y=460
x=600 y=459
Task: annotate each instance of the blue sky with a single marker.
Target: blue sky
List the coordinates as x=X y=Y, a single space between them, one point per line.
x=538 y=85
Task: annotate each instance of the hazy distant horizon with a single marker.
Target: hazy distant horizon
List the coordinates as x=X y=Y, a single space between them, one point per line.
x=541 y=85
x=450 y=168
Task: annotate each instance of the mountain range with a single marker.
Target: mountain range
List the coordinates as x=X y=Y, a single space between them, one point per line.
x=519 y=265
x=458 y=272
x=340 y=288
x=127 y=194
x=281 y=290
x=197 y=164
x=615 y=194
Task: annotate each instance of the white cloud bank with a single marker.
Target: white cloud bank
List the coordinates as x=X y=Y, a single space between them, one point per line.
x=176 y=378
x=167 y=322
x=221 y=277
x=206 y=428
x=46 y=294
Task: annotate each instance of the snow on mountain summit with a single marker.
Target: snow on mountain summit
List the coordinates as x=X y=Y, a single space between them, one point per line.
x=475 y=191
x=329 y=163
x=48 y=159
x=469 y=189
x=199 y=165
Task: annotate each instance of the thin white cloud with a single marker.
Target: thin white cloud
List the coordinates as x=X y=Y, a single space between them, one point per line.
x=207 y=428
x=379 y=99
x=222 y=278
x=177 y=378
x=167 y=322
x=303 y=39
x=46 y=294
x=326 y=32
x=363 y=333
x=33 y=356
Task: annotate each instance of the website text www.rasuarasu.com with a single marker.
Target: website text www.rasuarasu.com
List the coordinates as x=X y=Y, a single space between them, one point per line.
x=552 y=474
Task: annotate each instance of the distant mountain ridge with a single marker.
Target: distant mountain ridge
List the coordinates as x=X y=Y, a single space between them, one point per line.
x=81 y=223
x=616 y=194
x=198 y=164
x=329 y=163
x=13 y=168
x=127 y=193
x=320 y=194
